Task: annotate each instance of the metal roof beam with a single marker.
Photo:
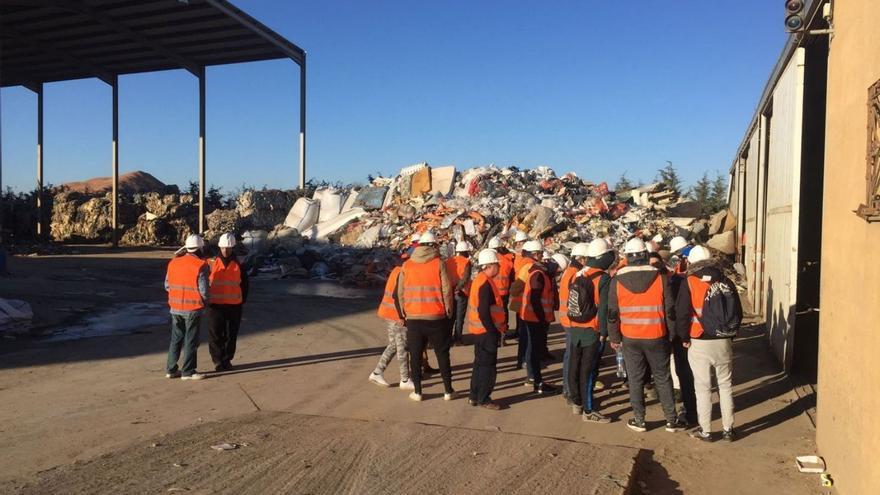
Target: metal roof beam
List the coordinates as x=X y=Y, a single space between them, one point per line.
x=157 y=47
x=291 y=50
x=99 y=72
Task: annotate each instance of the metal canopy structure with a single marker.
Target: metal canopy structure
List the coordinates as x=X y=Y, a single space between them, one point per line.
x=45 y=41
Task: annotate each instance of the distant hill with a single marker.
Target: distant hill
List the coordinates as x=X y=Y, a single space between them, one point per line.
x=132 y=182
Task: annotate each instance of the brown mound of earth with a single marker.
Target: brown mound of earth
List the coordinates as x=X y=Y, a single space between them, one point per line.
x=132 y=182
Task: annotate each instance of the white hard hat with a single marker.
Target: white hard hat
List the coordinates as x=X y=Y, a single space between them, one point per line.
x=651 y=246
x=487 y=257
x=494 y=243
x=561 y=260
x=634 y=246
x=462 y=246
x=533 y=246
x=598 y=247
x=699 y=253
x=657 y=238
x=677 y=243
x=415 y=237
x=193 y=242
x=227 y=240
x=520 y=237
x=547 y=255
x=581 y=249
x=427 y=238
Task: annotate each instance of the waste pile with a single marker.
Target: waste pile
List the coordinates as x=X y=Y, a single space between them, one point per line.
x=354 y=235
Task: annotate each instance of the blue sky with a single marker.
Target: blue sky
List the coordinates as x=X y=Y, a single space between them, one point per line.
x=593 y=87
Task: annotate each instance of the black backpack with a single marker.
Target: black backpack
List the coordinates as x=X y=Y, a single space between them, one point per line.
x=722 y=311
x=582 y=305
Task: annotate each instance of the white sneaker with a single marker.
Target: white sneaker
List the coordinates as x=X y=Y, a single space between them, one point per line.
x=416 y=397
x=378 y=380
x=449 y=396
x=194 y=376
x=407 y=385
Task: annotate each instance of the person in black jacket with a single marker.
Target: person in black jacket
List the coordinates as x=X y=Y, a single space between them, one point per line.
x=486 y=322
x=705 y=351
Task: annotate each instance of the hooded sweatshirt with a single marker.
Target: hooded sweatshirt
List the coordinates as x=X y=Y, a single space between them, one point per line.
x=420 y=255
x=709 y=272
x=637 y=279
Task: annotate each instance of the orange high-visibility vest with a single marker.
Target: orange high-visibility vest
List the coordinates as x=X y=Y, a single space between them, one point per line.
x=183 y=283
x=594 y=322
x=526 y=312
x=508 y=256
x=642 y=315
x=564 y=282
x=519 y=261
x=505 y=269
x=457 y=268
x=499 y=314
x=698 y=297
x=519 y=284
x=224 y=282
x=422 y=290
x=387 y=309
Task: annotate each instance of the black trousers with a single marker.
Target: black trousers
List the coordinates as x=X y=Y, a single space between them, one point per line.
x=582 y=361
x=223 y=323
x=460 y=311
x=438 y=333
x=685 y=380
x=640 y=354
x=485 y=371
x=537 y=342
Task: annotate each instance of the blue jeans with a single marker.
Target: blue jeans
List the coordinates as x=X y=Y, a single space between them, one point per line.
x=591 y=383
x=185 y=334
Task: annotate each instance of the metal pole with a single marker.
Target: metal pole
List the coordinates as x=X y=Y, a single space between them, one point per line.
x=1 y=150
x=202 y=150
x=115 y=160
x=302 y=123
x=40 y=161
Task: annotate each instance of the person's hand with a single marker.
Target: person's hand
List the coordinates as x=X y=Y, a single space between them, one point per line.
x=602 y=338
x=686 y=345
x=615 y=345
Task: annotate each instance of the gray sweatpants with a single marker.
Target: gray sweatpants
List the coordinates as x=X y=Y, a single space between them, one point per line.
x=396 y=345
x=704 y=355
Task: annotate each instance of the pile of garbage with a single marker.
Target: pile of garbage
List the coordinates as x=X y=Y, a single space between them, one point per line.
x=354 y=234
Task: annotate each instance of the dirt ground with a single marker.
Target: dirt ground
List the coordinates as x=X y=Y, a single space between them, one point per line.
x=81 y=416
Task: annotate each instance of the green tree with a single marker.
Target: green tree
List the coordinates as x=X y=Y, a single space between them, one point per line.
x=701 y=192
x=623 y=184
x=668 y=175
x=718 y=194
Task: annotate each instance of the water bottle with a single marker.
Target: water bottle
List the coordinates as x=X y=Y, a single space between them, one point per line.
x=621 y=368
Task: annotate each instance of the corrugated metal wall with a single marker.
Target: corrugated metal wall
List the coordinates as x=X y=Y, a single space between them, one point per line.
x=750 y=207
x=782 y=200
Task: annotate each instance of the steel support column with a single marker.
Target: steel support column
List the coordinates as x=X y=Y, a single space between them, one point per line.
x=40 y=211
x=115 y=163
x=202 y=150
x=302 y=123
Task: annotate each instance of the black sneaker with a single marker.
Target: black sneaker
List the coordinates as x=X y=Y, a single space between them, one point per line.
x=636 y=425
x=701 y=435
x=674 y=426
x=728 y=435
x=472 y=402
x=546 y=389
x=530 y=382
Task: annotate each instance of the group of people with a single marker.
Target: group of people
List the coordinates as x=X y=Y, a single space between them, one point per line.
x=215 y=287
x=666 y=313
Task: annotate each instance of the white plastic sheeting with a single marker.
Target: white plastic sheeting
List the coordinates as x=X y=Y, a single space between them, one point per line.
x=321 y=230
x=331 y=204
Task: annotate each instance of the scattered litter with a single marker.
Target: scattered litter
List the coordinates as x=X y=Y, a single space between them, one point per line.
x=15 y=317
x=810 y=464
x=225 y=446
x=826 y=480
x=179 y=464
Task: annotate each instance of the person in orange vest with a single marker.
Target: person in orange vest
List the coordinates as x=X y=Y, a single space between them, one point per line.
x=424 y=302
x=678 y=246
x=578 y=253
x=486 y=321
x=505 y=277
x=706 y=351
x=458 y=268
x=536 y=312
x=186 y=282
x=396 y=337
x=639 y=305
x=587 y=339
x=227 y=294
